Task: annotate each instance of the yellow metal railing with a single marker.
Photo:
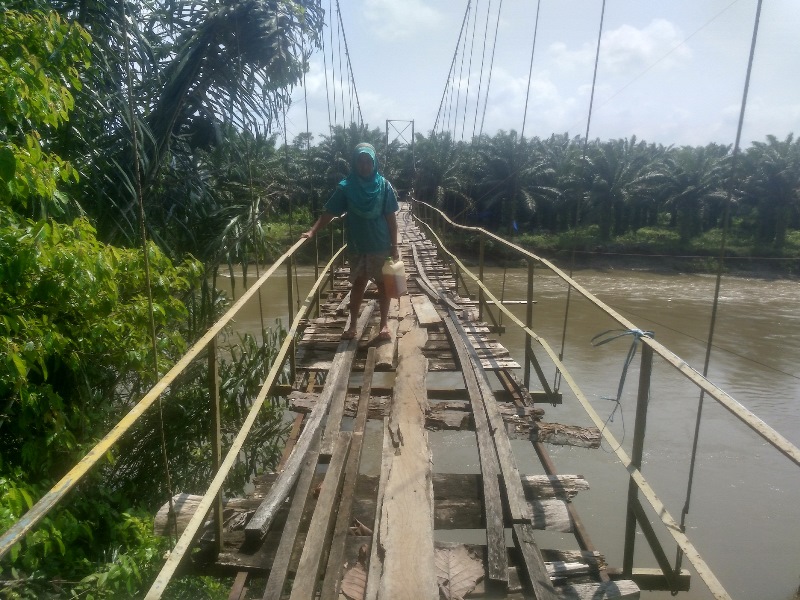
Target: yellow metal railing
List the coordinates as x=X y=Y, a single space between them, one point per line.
x=39 y=510
x=433 y=215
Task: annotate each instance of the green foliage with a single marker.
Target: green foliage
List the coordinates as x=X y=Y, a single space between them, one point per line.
x=39 y=54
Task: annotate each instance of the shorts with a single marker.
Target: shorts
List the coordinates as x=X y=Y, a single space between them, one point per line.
x=368 y=266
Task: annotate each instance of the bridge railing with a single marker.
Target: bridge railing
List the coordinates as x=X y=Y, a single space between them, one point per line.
x=436 y=221
x=207 y=343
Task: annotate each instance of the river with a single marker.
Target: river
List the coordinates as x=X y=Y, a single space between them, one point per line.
x=744 y=515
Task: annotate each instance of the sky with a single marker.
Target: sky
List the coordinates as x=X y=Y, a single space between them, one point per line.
x=670 y=71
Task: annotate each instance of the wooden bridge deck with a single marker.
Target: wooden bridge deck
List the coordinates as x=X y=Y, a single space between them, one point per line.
x=355 y=509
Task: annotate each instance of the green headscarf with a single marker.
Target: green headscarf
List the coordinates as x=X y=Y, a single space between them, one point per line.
x=364 y=194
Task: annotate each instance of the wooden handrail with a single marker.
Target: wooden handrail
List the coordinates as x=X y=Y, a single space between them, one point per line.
x=766 y=432
x=46 y=503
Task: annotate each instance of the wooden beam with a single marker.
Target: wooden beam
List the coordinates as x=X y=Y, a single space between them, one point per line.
x=333 y=572
x=406 y=528
x=319 y=530
x=490 y=467
x=259 y=524
x=279 y=570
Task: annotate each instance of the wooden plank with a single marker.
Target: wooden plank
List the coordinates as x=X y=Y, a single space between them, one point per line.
x=406 y=528
x=537 y=574
x=425 y=311
x=259 y=524
x=608 y=590
x=515 y=496
x=333 y=572
x=279 y=570
x=384 y=359
x=319 y=531
x=373 y=574
x=341 y=374
x=490 y=468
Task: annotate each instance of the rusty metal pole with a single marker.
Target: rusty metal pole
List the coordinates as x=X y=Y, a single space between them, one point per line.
x=290 y=305
x=529 y=324
x=216 y=437
x=636 y=456
x=480 y=275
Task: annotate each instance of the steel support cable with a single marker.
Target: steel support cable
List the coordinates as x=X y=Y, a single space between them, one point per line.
x=469 y=67
x=450 y=72
x=461 y=78
x=333 y=65
x=721 y=261
x=350 y=66
x=480 y=79
x=557 y=378
x=253 y=207
x=339 y=48
x=325 y=70
x=491 y=67
x=171 y=517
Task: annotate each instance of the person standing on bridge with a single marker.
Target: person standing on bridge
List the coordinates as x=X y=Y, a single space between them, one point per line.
x=370 y=203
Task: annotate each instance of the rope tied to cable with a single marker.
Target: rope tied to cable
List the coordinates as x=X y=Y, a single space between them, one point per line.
x=609 y=336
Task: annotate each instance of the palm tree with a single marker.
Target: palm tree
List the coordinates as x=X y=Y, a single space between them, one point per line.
x=692 y=182
x=773 y=187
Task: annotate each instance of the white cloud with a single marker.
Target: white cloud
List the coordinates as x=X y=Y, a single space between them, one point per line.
x=627 y=49
x=395 y=19
x=631 y=50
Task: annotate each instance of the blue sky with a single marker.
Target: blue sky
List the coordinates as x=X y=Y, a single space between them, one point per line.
x=670 y=71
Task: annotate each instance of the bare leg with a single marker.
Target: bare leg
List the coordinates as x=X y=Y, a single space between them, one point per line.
x=356 y=296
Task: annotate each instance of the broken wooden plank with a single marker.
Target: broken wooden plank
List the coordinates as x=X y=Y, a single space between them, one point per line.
x=406 y=528
x=259 y=524
x=319 y=531
x=333 y=571
x=279 y=570
x=493 y=507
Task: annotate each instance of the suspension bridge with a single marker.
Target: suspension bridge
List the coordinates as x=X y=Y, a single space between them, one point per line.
x=341 y=517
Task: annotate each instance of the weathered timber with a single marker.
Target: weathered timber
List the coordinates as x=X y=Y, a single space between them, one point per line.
x=385 y=352
x=406 y=528
x=515 y=497
x=333 y=571
x=373 y=576
x=425 y=311
x=279 y=570
x=341 y=377
x=552 y=433
x=490 y=467
x=259 y=523
x=608 y=590
x=319 y=531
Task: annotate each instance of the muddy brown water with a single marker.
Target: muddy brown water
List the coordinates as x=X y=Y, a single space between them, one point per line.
x=744 y=514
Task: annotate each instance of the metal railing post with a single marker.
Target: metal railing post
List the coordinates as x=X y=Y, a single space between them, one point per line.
x=636 y=456
x=480 y=275
x=529 y=325
x=216 y=437
x=290 y=305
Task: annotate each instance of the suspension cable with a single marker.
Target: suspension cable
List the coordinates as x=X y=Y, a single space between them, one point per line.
x=461 y=75
x=480 y=80
x=469 y=67
x=491 y=67
x=171 y=516
x=333 y=66
x=452 y=64
x=350 y=67
x=557 y=379
x=720 y=263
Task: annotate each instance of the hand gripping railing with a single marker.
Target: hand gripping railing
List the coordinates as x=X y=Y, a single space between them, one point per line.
x=632 y=465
